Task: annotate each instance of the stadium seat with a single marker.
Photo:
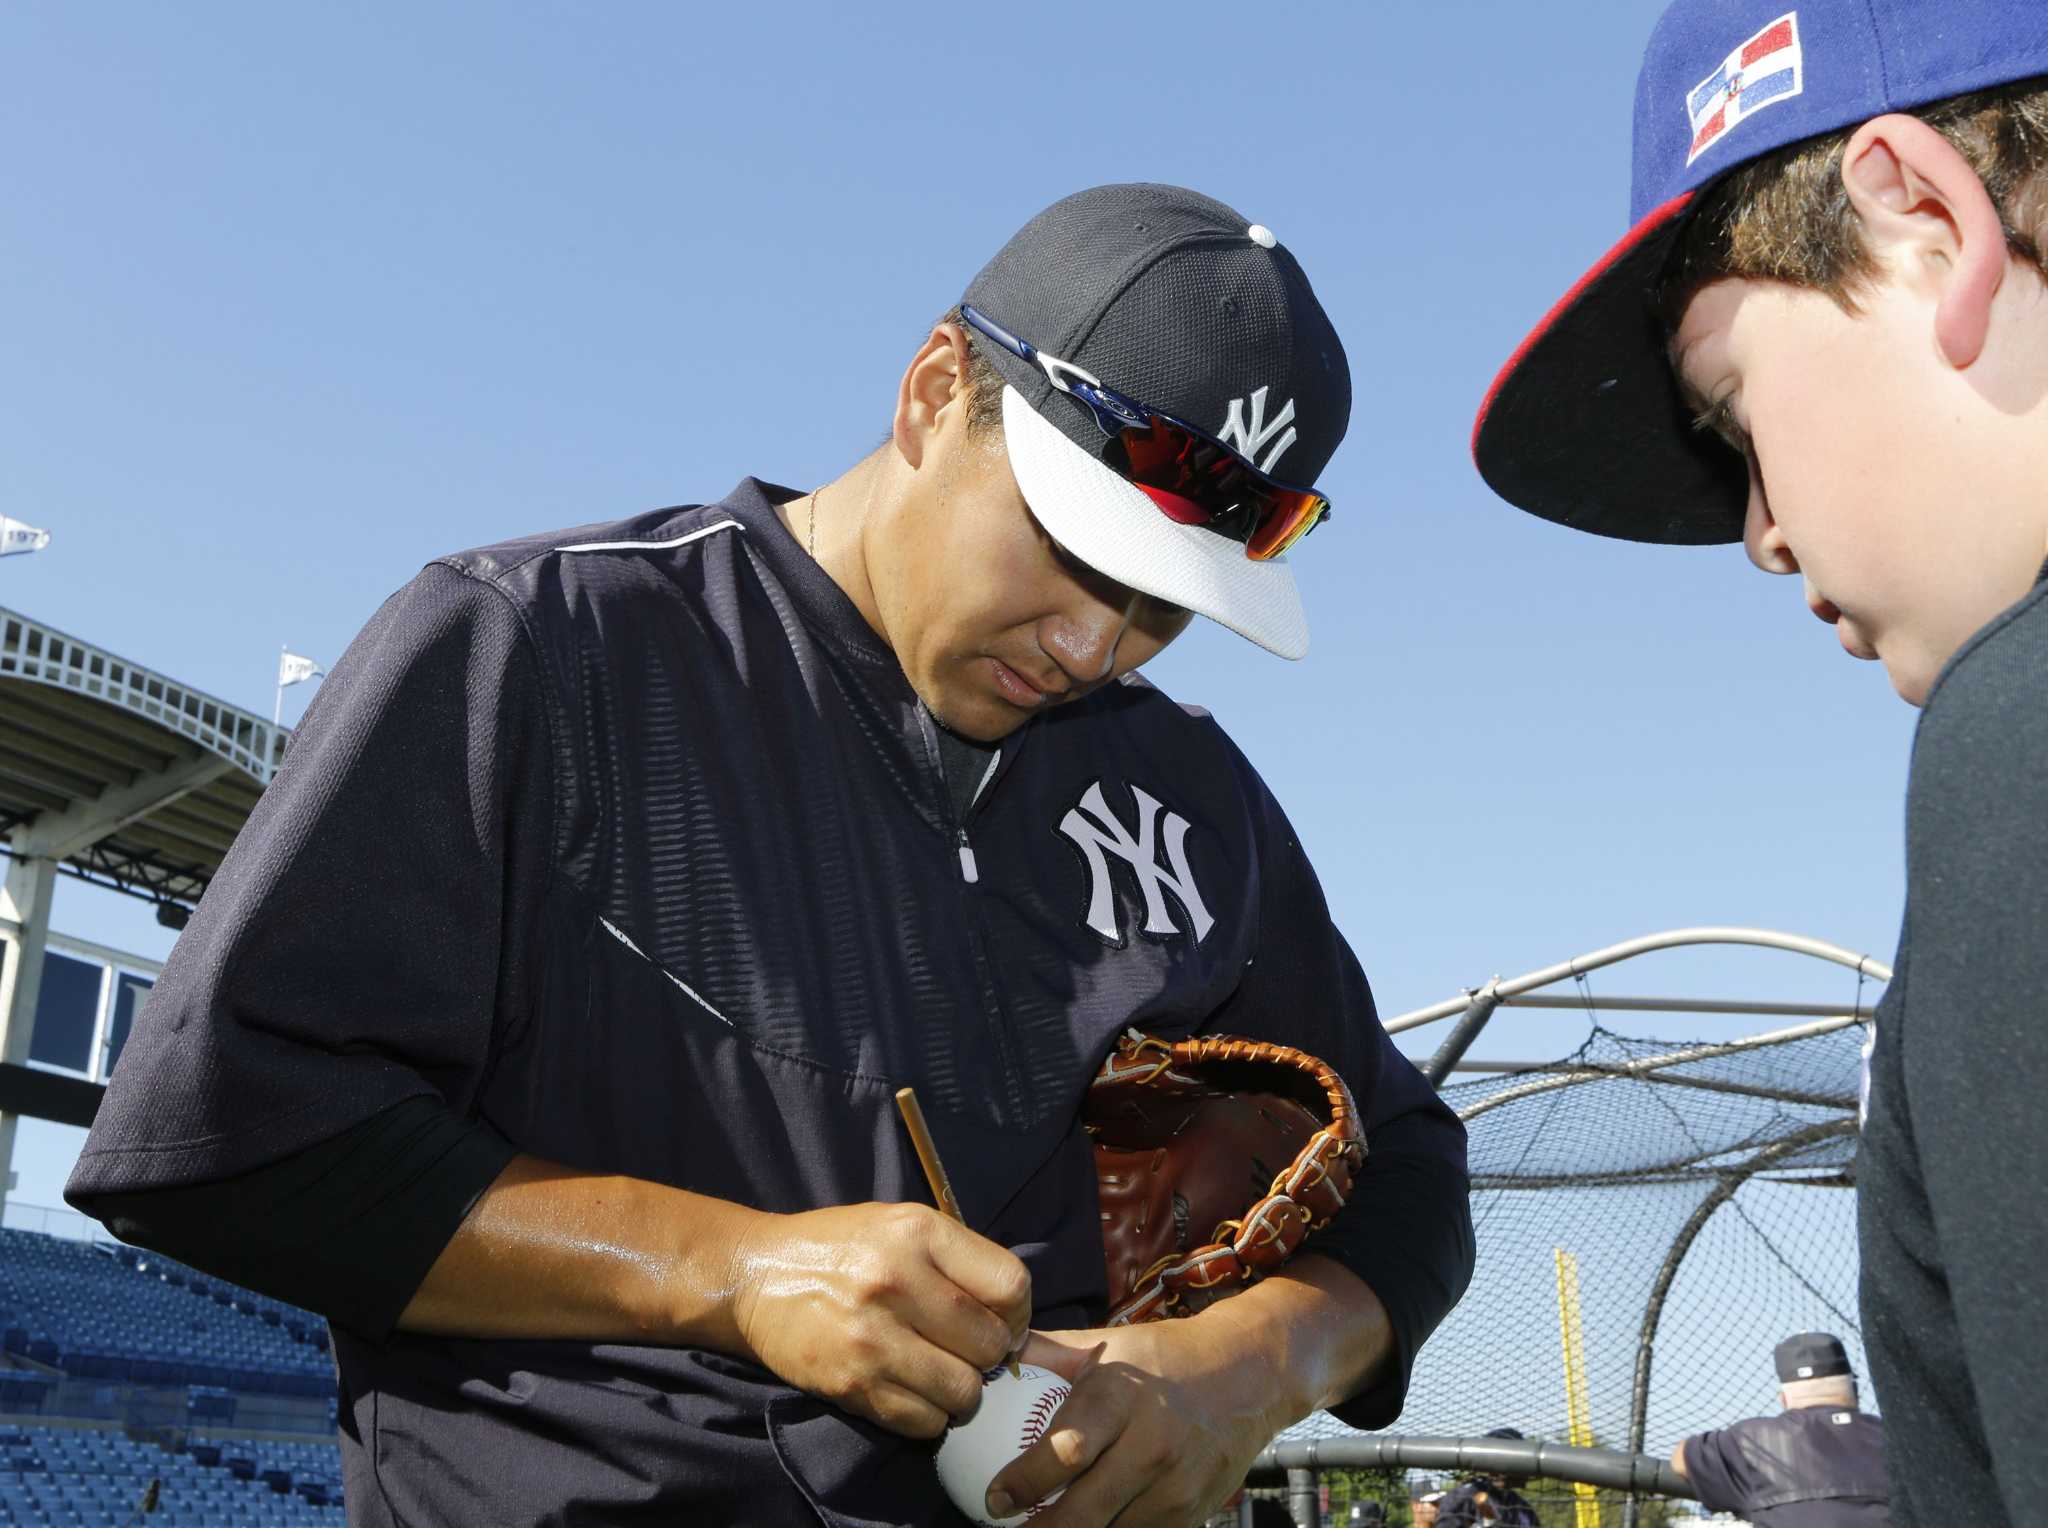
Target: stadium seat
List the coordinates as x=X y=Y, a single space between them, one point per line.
x=129 y=1325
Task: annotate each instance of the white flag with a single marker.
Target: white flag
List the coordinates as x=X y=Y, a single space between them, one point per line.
x=17 y=538
x=292 y=669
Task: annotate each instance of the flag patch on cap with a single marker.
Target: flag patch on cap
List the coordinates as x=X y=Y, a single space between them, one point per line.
x=1766 y=69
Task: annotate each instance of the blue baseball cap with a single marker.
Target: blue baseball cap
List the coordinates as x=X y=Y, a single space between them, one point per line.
x=1585 y=425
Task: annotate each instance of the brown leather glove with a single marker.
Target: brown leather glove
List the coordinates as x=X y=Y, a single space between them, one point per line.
x=1215 y=1157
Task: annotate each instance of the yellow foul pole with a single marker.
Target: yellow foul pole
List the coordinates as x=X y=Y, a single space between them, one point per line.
x=1575 y=1403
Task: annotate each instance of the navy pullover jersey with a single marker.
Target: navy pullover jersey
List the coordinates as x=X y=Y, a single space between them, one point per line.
x=1811 y=1467
x=632 y=845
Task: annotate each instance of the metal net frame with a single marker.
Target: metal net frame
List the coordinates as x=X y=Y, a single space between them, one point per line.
x=1652 y=1215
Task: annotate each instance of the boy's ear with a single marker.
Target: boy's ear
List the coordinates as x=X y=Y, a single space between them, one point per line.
x=1926 y=214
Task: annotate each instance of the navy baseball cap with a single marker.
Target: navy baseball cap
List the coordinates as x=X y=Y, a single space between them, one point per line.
x=1810 y=1355
x=1189 y=307
x=1585 y=424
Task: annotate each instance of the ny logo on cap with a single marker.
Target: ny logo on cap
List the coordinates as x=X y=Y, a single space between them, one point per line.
x=1251 y=438
x=1095 y=830
x=1766 y=69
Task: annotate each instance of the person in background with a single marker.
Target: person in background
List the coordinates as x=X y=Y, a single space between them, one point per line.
x=1489 y=1498
x=1818 y=1464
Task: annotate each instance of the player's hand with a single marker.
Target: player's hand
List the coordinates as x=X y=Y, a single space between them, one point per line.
x=892 y=1311
x=1164 y=1421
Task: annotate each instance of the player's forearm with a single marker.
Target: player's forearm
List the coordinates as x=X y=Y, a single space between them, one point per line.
x=549 y=1252
x=1314 y=1333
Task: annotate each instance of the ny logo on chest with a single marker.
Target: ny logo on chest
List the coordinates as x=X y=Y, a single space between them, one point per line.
x=1099 y=834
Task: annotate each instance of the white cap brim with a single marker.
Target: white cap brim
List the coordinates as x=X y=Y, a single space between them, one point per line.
x=1115 y=529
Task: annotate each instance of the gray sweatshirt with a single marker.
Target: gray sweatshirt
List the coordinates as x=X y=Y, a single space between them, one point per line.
x=1955 y=1151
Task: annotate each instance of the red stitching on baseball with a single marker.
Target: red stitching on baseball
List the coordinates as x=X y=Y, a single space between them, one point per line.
x=1034 y=1428
x=1041 y=1413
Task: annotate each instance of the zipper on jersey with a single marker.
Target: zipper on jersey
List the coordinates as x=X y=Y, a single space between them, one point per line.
x=970 y=872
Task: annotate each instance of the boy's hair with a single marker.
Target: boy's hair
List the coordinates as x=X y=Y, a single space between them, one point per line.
x=1785 y=216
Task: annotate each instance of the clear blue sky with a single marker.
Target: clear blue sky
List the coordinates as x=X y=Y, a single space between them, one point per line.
x=300 y=297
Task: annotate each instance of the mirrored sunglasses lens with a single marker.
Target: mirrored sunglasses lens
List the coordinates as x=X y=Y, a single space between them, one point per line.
x=1180 y=510
x=1196 y=481
x=1288 y=518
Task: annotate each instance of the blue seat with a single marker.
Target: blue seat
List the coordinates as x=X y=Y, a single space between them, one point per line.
x=23 y=1392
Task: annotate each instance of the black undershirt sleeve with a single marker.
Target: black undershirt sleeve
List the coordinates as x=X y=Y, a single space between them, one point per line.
x=346 y=1229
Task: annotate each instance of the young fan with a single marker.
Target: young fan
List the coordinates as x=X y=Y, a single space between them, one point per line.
x=1826 y=336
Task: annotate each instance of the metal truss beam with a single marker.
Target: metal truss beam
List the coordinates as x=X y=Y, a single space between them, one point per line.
x=60 y=835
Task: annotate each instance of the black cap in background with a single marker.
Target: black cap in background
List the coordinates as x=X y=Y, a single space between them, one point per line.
x=1810 y=1355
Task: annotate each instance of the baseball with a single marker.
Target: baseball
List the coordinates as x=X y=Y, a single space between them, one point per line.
x=1014 y=1413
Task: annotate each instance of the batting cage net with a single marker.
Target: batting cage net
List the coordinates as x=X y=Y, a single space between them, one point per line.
x=1652 y=1217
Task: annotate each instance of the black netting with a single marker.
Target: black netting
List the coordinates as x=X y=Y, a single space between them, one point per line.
x=1748 y=1151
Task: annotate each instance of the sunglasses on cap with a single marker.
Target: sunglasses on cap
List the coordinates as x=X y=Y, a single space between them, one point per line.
x=1193 y=477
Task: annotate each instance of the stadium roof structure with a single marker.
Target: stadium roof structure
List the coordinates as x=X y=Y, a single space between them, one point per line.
x=121 y=776
x=118 y=774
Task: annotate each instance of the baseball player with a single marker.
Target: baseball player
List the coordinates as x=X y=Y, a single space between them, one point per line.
x=1826 y=337
x=1818 y=1464
x=1488 y=1498
x=544 y=1026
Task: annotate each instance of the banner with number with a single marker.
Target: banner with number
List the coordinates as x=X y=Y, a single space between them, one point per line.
x=292 y=669
x=16 y=538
